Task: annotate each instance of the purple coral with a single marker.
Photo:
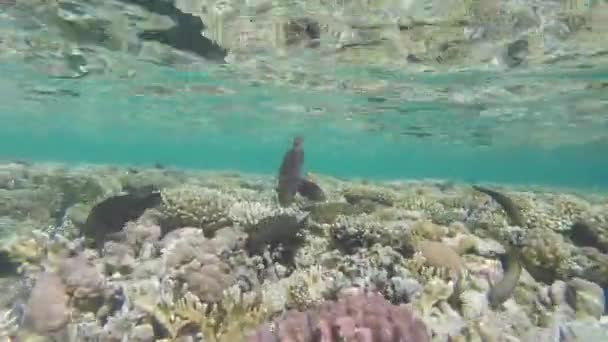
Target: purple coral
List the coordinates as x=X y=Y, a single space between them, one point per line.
x=360 y=317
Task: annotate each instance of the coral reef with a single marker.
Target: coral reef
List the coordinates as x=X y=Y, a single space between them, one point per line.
x=354 y=317
x=220 y=260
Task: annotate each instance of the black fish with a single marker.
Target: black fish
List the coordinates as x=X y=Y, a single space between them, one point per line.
x=507 y=204
x=277 y=230
x=289 y=172
x=311 y=190
x=108 y=217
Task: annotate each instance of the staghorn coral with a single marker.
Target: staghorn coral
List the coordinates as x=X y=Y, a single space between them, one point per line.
x=228 y=320
x=353 y=317
x=195 y=206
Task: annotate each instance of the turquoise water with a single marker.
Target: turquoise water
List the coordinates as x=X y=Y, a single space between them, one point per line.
x=471 y=126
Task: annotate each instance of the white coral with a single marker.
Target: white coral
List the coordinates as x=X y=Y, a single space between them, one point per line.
x=248 y=212
x=474 y=304
x=8 y=323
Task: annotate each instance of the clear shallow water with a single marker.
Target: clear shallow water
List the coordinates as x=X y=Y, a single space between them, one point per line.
x=528 y=127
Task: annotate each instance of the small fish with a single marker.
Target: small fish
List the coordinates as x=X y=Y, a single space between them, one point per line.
x=291 y=180
x=290 y=172
x=502 y=290
x=107 y=218
x=507 y=204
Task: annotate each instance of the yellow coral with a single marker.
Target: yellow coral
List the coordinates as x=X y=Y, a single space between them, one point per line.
x=306 y=288
x=228 y=321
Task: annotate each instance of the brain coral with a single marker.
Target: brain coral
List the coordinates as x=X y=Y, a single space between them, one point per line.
x=361 y=317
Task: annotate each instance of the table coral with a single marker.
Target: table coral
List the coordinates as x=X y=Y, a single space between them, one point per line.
x=195 y=206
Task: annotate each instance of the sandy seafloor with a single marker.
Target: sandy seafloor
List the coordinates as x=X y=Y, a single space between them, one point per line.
x=220 y=260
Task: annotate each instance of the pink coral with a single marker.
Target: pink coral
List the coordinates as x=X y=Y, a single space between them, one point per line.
x=358 y=317
x=47 y=309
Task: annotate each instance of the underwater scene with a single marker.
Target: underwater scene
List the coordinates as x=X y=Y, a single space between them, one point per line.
x=304 y=171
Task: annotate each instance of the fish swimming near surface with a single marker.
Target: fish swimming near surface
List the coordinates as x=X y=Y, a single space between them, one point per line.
x=107 y=218
x=511 y=209
x=291 y=180
x=502 y=290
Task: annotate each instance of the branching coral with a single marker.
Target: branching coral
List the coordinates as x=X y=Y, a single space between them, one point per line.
x=227 y=321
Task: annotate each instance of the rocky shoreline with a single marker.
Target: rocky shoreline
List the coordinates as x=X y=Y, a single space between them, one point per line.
x=218 y=259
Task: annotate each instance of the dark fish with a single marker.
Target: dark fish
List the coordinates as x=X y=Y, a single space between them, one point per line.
x=274 y=230
x=507 y=204
x=311 y=190
x=502 y=290
x=289 y=173
x=108 y=217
